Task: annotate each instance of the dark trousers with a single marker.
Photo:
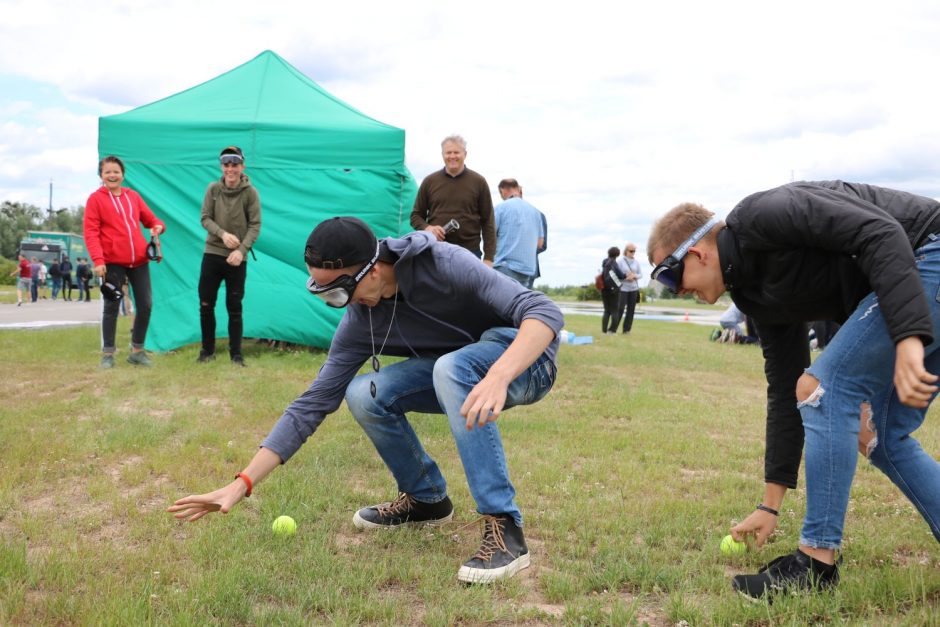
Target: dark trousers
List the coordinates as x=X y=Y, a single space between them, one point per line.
x=215 y=270
x=611 y=299
x=139 y=279
x=67 y=286
x=85 y=284
x=627 y=300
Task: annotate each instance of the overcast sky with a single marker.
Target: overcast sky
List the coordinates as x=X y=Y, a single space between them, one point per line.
x=608 y=113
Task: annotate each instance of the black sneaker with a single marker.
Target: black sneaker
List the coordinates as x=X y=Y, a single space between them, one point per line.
x=238 y=360
x=403 y=511
x=794 y=572
x=205 y=357
x=502 y=554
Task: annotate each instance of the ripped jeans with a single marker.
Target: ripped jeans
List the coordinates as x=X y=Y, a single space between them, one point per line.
x=858 y=366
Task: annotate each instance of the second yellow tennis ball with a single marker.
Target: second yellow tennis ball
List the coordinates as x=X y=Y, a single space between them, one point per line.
x=730 y=546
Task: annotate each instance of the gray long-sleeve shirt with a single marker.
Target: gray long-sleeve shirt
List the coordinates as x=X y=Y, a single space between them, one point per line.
x=447 y=299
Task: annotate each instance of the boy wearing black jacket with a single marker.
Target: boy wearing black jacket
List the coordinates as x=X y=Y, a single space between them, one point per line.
x=859 y=254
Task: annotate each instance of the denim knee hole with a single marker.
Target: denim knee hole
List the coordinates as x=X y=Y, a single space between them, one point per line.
x=813 y=399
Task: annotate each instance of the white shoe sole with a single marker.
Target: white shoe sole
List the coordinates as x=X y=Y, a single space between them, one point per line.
x=489 y=575
x=362 y=523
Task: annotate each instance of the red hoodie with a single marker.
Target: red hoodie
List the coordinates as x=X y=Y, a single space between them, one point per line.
x=112 y=234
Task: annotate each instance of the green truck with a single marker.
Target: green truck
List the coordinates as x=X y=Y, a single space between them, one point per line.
x=49 y=246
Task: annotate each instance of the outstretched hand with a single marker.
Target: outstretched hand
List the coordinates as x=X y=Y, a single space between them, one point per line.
x=756 y=528
x=913 y=383
x=192 y=508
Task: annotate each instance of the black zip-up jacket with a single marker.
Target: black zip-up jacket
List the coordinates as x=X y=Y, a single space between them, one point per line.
x=812 y=251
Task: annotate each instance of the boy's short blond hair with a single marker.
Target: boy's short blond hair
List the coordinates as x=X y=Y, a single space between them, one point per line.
x=677 y=225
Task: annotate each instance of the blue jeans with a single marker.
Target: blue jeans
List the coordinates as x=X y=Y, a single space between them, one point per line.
x=522 y=279
x=440 y=386
x=858 y=366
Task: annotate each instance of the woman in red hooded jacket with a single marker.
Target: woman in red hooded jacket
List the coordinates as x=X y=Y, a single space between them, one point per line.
x=118 y=249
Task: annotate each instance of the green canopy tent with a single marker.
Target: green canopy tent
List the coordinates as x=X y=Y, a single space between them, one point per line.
x=311 y=157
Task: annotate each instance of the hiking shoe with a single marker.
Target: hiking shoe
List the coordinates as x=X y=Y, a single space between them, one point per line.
x=139 y=358
x=403 y=511
x=205 y=357
x=238 y=360
x=794 y=572
x=502 y=554
x=107 y=361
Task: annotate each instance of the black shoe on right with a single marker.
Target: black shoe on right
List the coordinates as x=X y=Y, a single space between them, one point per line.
x=403 y=511
x=794 y=572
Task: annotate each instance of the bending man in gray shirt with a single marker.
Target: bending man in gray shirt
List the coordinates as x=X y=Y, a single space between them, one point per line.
x=476 y=341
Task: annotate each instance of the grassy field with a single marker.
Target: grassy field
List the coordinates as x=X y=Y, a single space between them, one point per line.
x=629 y=473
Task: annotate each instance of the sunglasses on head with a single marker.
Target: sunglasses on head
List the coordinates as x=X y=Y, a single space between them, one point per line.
x=669 y=270
x=230 y=160
x=338 y=292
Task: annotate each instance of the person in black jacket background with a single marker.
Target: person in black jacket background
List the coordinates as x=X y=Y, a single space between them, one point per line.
x=836 y=251
x=610 y=295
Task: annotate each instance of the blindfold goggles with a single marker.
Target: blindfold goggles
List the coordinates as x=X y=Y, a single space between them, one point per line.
x=669 y=270
x=338 y=292
x=154 y=251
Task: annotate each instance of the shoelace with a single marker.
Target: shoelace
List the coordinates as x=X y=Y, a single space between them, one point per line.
x=401 y=505
x=492 y=538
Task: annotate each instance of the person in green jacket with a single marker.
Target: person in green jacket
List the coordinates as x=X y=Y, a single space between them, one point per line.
x=231 y=215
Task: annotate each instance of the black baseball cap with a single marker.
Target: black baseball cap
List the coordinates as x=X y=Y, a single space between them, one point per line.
x=340 y=243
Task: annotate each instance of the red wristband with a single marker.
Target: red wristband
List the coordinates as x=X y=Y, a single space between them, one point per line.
x=247 y=481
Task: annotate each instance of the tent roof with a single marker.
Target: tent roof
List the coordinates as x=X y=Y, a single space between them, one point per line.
x=278 y=116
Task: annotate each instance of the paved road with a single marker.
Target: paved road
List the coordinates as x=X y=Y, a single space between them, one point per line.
x=49 y=313
x=649 y=312
x=46 y=313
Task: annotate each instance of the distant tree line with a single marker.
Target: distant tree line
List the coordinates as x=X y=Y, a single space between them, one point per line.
x=649 y=293
x=16 y=218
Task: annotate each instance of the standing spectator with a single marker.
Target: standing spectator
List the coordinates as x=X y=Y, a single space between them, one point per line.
x=231 y=216
x=55 y=273
x=34 y=279
x=630 y=288
x=66 y=268
x=86 y=280
x=127 y=304
x=543 y=246
x=518 y=228
x=466 y=356
x=43 y=280
x=457 y=193
x=82 y=275
x=118 y=250
x=24 y=282
x=613 y=278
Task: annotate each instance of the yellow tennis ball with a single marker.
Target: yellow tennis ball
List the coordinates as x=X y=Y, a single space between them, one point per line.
x=284 y=526
x=729 y=546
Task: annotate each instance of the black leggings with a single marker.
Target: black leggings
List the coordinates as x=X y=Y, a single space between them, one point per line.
x=215 y=270
x=139 y=279
x=611 y=299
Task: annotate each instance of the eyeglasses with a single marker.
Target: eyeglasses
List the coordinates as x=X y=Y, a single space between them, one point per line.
x=338 y=292
x=230 y=160
x=669 y=271
x=631 y=250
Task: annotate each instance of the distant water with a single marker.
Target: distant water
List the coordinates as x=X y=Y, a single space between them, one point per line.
x=646 y=312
